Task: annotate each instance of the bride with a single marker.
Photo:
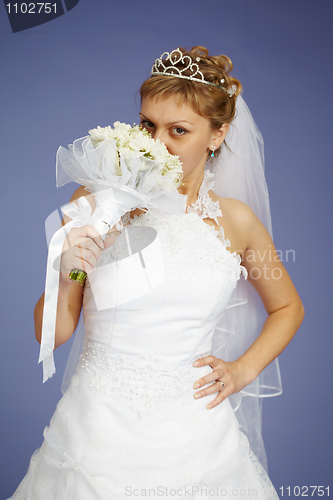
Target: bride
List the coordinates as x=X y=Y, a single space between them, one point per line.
x=165 y=399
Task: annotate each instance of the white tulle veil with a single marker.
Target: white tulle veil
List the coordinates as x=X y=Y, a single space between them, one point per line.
x=239 y=174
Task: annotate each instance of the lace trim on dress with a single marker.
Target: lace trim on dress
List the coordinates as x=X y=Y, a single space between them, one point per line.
x=206 y=208
x=220 y=236
x=204 y=205
x=124 y=221
x=144 y=381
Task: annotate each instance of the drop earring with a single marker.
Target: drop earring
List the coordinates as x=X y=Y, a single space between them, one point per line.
x=213 y=151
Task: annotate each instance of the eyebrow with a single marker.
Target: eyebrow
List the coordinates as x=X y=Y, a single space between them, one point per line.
x=171 y=123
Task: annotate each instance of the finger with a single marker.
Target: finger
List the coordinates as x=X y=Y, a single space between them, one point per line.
x=78 y=241
x=88 y=257
x=77 y=258
x=221 y=395
x=218 y=400
x=85 y=232
x=206 y=360
x=211 y=389
x=208 y=379
x=89 y=245
x=94 y=235
x=82 y=242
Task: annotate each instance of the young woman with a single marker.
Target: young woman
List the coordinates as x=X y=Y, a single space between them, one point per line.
x=165 y=398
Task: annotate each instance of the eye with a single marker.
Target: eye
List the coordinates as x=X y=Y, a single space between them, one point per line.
x=146 y=124
x=179 y=131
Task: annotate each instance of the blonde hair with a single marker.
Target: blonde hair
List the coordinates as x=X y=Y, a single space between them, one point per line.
x=208 y=101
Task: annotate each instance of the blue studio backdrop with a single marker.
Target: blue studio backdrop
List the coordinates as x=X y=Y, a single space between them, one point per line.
x=83 y=68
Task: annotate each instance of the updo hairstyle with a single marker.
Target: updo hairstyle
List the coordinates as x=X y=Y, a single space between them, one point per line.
x=208 y=101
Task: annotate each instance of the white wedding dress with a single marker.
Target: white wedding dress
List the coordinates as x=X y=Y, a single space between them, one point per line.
x=128 y=425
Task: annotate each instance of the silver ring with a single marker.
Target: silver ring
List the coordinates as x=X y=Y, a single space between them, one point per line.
x=222 y=383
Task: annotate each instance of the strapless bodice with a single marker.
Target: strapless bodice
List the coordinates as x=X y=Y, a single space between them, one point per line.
x=161 y=288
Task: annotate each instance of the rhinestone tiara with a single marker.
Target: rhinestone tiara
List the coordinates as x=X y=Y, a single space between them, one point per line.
x=159 y=68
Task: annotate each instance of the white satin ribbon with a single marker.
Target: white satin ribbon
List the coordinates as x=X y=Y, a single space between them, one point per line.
x=80 y=214
x=51 y=299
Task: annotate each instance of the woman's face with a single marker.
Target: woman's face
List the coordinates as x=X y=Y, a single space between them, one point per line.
x=182 y=130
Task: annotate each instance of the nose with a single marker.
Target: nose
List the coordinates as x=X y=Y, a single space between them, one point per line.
x=159 y=134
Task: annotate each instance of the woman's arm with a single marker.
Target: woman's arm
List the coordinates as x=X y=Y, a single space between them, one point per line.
x=280 y=298
x=282 y=303
x=68 y=313
x=81 y=250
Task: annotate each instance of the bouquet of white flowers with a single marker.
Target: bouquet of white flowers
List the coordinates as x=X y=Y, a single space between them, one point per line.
x=129 y=143
x=125 y=169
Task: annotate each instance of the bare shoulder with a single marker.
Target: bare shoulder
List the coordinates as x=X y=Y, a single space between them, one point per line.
x=236 y=212
x=81 y=191
x=239 y=223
